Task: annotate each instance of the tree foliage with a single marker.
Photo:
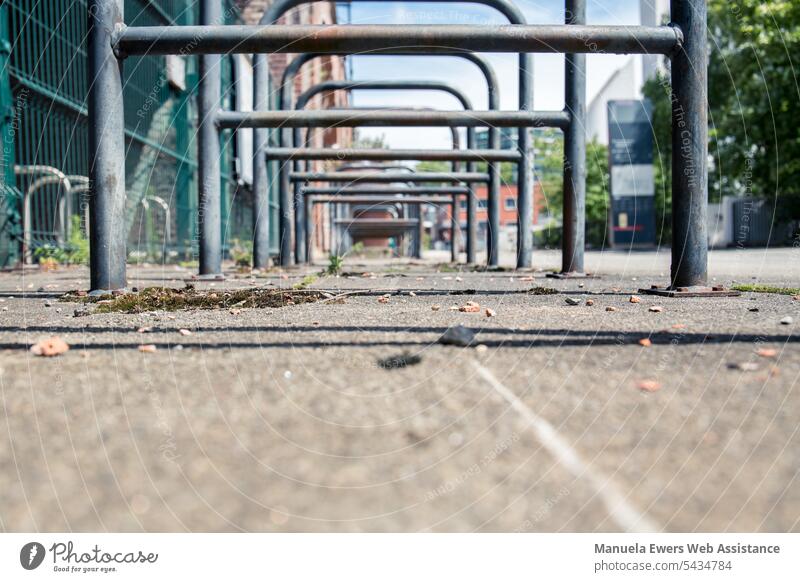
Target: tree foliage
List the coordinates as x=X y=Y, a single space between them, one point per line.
x=754 y=100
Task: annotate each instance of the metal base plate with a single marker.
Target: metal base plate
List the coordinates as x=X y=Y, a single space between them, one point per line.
x=696 y=291
x=572 y=275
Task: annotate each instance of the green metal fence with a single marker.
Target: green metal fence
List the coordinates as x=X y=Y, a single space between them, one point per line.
x=48 y=83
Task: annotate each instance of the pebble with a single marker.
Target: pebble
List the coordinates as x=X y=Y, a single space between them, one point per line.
x=457 y=336
x=656 y=309
x=609 y=308
x=635 y=299
x=572 y=301
x=787 y=320
x=590 y=302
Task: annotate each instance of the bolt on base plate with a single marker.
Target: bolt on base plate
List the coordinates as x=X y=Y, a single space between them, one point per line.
x=572 y=275
x=695 y=291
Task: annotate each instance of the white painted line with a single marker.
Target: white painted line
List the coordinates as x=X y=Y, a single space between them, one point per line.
x=622 y=512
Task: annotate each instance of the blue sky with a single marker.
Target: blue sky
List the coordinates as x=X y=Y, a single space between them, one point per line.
x=548 y=69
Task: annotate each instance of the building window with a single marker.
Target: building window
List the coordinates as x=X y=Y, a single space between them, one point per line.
x=511 y=204
x=483 y=203
x=463 y=204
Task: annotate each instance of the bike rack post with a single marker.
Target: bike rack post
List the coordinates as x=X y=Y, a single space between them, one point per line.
x=208 y=158
x=574 y=219
x=106 y=149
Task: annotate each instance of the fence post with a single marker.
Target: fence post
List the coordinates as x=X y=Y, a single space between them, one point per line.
x=208 y=158
x=574 y=231
x=106 y=149
x=689 y=146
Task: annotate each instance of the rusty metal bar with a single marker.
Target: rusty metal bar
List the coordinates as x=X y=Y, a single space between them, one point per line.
x=380 y=154
x=401 y=118
x=335 y=39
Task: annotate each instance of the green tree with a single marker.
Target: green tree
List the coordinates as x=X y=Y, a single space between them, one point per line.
x=754 y=98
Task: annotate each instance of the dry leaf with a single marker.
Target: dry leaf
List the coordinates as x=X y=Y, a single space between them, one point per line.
x=648 y=385
x=383 y=300
x=49 y=347
x=470 y=307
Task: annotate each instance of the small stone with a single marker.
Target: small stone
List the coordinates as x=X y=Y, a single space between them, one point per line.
x=656 y=309
x=766 y=352
x=635 y=299
x=590 y=302
x=796 y=297
x=49 y=347
x=572 y=301
x=148 y=348
x=287 y=374
x=470 y=307
x=459 y=279
x=383 y=300
x=645 y=342
x=609 y=308
x=753 y=309
x=490 y=312
x=184 y=332
x=787 y=320
x=457 y=336
x=648 y=385
x=48 y=303
x=80 y=312
x=744 y=366
x=435 y=307
x=412 y=294
x=481 y=348
x=144 y=329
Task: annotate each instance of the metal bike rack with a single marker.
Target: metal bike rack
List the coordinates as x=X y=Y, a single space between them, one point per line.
x=388 y=85
x=456 y=146
x=525 y=143
x=493 y=100
x=110 y=40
